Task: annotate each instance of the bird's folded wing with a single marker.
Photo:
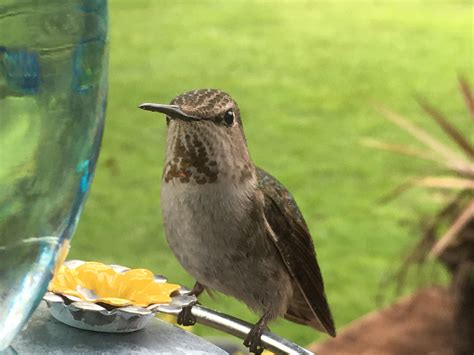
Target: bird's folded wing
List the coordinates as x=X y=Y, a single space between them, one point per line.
x=289 y=232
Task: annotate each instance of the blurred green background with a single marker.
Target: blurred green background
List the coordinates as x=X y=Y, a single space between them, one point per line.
x=306 y=75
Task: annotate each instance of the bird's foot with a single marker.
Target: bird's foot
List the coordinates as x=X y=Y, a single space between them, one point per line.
x=186 y=317
x=253 y=339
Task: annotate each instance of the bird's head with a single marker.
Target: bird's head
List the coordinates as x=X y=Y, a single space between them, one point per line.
x=204 y=125
x=201 y=106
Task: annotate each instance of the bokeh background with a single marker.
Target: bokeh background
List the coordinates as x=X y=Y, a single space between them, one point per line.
x=306 y=76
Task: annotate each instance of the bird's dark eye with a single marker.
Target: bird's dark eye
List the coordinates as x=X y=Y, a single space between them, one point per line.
x=229 y=117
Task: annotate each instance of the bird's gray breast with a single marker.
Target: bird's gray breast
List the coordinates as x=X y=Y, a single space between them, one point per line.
x=218 y=235
x=206 y=224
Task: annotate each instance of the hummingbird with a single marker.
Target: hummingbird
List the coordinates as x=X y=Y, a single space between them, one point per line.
x=234 y=227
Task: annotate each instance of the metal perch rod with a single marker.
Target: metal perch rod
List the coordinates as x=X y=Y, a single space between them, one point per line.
x=240 y=329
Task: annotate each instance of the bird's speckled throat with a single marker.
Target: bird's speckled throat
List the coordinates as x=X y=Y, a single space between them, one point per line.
x=203 y=152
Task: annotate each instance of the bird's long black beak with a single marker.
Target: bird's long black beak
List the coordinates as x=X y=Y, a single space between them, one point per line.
x=172 y=111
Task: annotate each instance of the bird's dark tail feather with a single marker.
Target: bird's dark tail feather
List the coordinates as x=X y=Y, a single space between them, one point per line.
x=300 y=312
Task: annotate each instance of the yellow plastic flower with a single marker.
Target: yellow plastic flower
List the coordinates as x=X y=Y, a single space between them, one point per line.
x=96 y=282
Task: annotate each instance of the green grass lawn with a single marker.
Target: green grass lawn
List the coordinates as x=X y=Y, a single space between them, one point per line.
x=305 y=75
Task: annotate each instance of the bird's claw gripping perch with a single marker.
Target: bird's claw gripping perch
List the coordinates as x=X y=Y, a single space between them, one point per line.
x=253 y=340
x=185 y=317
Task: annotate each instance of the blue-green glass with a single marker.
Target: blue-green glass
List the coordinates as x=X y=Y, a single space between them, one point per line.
x=53 y=88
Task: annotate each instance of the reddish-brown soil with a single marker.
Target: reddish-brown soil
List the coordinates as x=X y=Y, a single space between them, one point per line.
x=418 y=324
